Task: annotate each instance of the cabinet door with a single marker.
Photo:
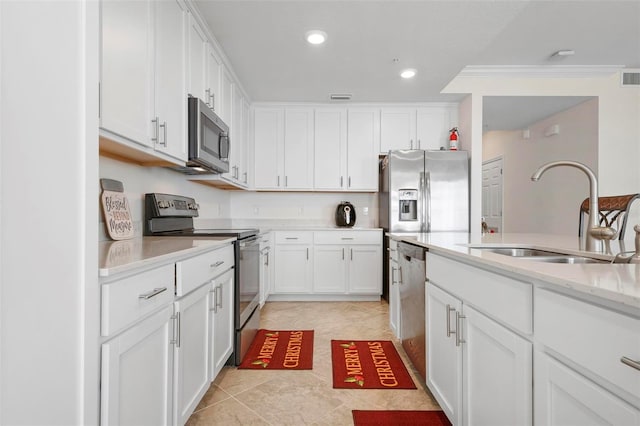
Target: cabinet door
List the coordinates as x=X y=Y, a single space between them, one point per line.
x=363 y=140
x=126 y=80
x=197 y=60
x=170 y=75
x=398 y=129
x=268 y=141
x=497 y=366
x=225 y=110
x=191 y=352
x=222 y=325
x=238 y=153
x=330 y=149
x=137 y=379
x=444 y=358
x=298 y=148
x=365 y=269
x=433 y=125
x=293 y=269
x=265 y=268
x=565 y=397
x=213 y=80
x=330 y=268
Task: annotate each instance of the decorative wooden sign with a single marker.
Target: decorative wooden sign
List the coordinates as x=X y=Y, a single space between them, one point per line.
x=115 y=210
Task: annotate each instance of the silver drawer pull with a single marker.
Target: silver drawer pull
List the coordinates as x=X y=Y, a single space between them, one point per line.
x=346 y=238
x=154 y=292
x=218 y=263
x=290 y=238
x=459 y=339
x=631 y=363
x=449 y=331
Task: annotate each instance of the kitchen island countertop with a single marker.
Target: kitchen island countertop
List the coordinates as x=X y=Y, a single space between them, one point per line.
x=618 y=283
x=117 y=257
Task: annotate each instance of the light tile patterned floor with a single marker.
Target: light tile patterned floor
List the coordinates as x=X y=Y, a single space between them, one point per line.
x=306 y=397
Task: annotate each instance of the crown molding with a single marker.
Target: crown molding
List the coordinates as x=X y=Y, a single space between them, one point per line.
x=547 y=71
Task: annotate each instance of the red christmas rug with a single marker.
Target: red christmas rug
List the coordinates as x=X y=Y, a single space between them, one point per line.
x=399 y=418
x=280 y=350
x=362 y=364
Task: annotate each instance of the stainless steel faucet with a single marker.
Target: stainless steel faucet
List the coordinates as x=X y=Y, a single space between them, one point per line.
x=635 y=257
x=595 y=233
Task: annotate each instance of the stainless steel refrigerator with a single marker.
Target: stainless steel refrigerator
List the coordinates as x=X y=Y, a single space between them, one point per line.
x=423 y=191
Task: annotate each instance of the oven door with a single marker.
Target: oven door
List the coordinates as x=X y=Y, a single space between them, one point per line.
x=248 y=286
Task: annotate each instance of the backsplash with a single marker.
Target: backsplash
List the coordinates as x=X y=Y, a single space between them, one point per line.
x=220 y=208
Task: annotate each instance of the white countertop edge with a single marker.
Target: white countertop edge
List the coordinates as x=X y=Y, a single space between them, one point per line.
x=169 y=256
x=532 y=270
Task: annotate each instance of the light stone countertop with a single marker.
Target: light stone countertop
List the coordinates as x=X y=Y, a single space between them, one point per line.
x=117 y=257
x=618 y=283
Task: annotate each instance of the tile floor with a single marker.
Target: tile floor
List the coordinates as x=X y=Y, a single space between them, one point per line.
x=307 y=397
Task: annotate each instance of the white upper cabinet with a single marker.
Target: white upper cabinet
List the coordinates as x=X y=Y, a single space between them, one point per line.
x=214 y=71
x=425 y=127
x=298 y=148
x=433 y=125
x=330 y=149
x=225 y=110
x=170 y=94
x=398 y=129
x=126 y=93
x=143 y=79
x=238 y=152
x=197 y=60
x=268 y=146
x=363 y=140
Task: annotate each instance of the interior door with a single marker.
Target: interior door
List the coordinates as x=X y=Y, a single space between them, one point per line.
x=492 y=194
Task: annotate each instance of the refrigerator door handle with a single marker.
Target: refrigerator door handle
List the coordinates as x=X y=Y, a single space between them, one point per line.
x=427 y=200
x=422 y=213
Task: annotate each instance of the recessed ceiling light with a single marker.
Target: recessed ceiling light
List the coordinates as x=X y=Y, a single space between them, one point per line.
x=316 y=36
x=408 y=73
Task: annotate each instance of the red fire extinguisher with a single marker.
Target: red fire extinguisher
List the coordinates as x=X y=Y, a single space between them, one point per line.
x=453 y=139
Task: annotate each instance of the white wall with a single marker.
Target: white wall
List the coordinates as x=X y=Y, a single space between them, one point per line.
x=551 y=204
x=49 y=285
x=618 y=125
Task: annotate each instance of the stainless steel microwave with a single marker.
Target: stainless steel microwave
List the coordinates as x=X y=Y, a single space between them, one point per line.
x=209 y=141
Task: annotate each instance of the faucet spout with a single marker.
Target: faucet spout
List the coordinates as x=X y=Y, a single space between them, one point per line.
x=593 y=243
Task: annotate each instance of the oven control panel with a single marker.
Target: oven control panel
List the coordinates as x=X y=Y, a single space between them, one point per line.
x=167 y=205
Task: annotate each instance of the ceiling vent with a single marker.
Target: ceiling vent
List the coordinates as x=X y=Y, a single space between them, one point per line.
x=340 y=97
x=630 y=78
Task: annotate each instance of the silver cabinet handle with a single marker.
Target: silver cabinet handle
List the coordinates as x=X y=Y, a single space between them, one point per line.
x=266 y=258
x=286 y=181
x=419 y=144
x=449 y=310
x=342 y=253
x=290 y=238
x=393 y=275
x=400 y=275
x=154 y=292
x=307 y=253
x=631 y=363
x=219 y=299
x=245 y=177
x=278 y=181
x=351 y=254
x=214 y=294
x=346 y=238
x=164 y=131
x=218 y=263
x=155 y=122
x=341 y=181
x=459 y=338
x=176 y=333
x=349 y=181
x=411 y=143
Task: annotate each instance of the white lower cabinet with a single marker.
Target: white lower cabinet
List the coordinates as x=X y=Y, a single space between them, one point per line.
x=335 y=263
x=266 y=271
x=394 y=291
x=137 y=373
x=479 y=371
x=191 y=352
x=221 y=322
x=565 y=397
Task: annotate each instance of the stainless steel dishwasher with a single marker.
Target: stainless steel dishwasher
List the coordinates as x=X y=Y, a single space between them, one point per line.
x=411 y=280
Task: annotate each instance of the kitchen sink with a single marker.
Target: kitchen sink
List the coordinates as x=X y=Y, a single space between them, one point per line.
x=538 y=255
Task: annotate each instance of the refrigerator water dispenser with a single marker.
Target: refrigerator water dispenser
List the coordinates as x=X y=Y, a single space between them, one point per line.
x=408 y=199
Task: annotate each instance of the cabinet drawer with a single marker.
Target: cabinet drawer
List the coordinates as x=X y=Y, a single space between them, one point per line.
x=503 y=298
x=131 y=298
x=591 y=336
x=347 y=237
x=294 y=237
x=193 y=272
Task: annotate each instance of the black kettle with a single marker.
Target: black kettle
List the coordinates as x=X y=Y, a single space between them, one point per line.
x=345 y=214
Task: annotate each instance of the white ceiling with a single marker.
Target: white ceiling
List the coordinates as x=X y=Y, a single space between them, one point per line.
x=264 y=40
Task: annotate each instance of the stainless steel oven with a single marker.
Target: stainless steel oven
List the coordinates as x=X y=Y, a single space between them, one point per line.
x=172 y=215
